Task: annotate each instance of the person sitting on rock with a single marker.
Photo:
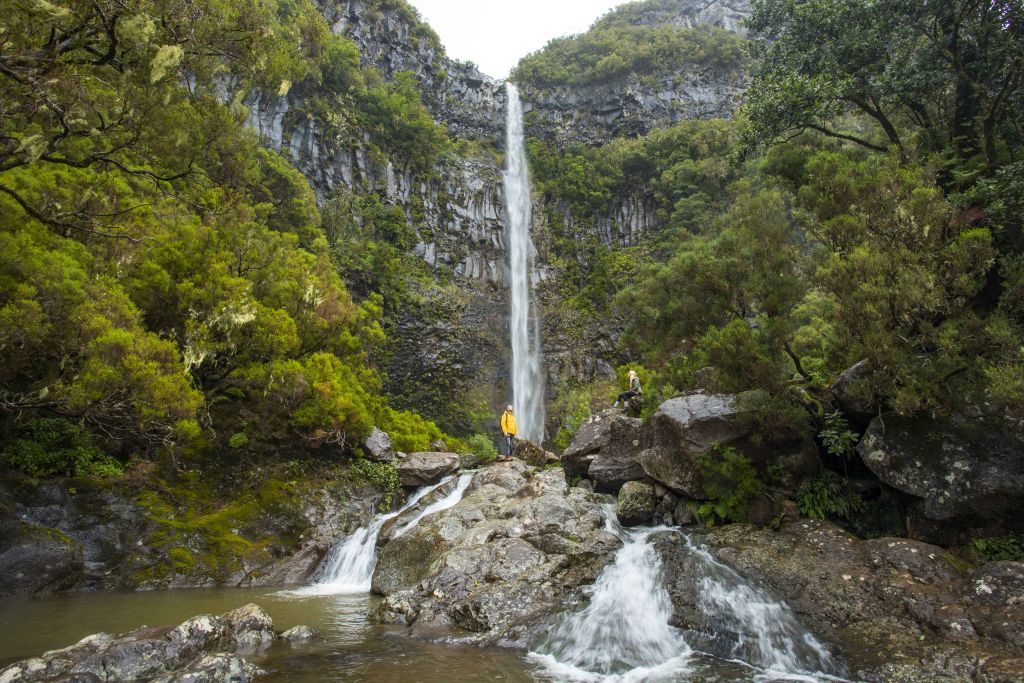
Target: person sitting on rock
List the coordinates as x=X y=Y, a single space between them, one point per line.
x=634 y=390
x=509 y=430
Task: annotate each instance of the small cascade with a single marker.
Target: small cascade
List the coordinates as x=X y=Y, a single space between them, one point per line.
x=448 y=501
x=623 y=634
x=349 y=565
x=527 y=374
x=742 y=621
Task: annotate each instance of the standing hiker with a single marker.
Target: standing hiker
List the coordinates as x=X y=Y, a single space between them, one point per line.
x=509 y=430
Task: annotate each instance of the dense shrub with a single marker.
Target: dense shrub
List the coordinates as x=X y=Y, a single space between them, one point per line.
x=46 y=447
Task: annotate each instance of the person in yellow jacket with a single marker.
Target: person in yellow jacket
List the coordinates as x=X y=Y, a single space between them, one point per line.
x=509 y=430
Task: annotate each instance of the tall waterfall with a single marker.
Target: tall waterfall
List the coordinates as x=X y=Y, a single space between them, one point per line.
x=527 y=377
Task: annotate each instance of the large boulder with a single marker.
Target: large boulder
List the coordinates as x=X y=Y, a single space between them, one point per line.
x=37 y=559
x=197 y=650
x=958 y=467
x=635 y=504
x=897 y=609
x=426 y=468
x=687 y=427
x=500 y=562
x=852 y=396
x=606 y=450
x=378 y=448
x=532 y=454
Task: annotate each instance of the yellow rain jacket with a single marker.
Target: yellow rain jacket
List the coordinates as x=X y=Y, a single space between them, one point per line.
x=508 y=423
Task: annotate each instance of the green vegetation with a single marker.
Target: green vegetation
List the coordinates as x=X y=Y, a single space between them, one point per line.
x=942 y=77
x=382 y=475
x=482 y=446
x=827 y=496
x=44 y=447
x=161 y=265
x=730 y=483
x=197 y=532
x=610 y=51
x=1010 y=548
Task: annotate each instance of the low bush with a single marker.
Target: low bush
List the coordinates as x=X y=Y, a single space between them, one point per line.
x=47 y=447
x=730 y=482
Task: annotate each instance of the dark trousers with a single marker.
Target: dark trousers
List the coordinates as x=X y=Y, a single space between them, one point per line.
x=626 y=395
x=510 y=443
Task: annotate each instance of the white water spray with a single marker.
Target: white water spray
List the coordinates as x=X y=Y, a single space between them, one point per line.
x=348 y=567
x=527 y=378
x=623 y=635
x=743 y=621
x=448 y=501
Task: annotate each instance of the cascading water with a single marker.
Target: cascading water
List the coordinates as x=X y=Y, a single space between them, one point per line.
x=623 y=634
x=743 y=621
x=348 y=567
x=527 y=378
x=448 y=501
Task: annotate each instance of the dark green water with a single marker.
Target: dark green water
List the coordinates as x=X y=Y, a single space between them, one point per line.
x=350 y=648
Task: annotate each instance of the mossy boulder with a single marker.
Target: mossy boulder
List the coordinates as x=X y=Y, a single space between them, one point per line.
x=635 y=504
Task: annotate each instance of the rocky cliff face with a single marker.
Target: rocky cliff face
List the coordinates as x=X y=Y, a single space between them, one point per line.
x=453 y=348
x=635 y=103
x=596 y=113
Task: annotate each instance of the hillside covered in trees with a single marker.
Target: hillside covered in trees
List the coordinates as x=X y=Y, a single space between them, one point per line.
x=241 y=240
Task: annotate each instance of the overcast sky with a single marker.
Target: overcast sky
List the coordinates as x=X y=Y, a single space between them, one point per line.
x=495 y=34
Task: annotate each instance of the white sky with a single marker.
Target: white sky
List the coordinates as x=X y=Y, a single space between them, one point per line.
x=495 y=34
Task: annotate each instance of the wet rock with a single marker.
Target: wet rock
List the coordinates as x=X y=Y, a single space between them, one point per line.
x=377 y=446
x=589 y=439
x=852 y=397
x=897 y=609
x=296 y=569
x=193 y=651
x=215 y=668
x=531 y=453
x=686 y=428
x=469 y=461
x=606 y=450
x=997 y=584
x=37 y=559
x=299 y=634
x=635 y=504
x=682 y=515
x=500 y=561
x=959 y=467
x=250 y=627
x=424 y=469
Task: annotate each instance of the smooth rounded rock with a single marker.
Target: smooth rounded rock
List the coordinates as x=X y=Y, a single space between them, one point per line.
x=636 y=503
x=426 y=468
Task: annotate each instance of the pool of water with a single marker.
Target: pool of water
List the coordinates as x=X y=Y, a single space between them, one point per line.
x=349 y=648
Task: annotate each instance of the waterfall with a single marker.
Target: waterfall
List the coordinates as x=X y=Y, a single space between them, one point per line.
x=623 y=634
x=624 y=631
x=527 y=378
x=743 y=621
x=443 y=504
x=349 y=565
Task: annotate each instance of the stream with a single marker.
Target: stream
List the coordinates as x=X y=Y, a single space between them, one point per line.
x=619 y=634
x=349 y=648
